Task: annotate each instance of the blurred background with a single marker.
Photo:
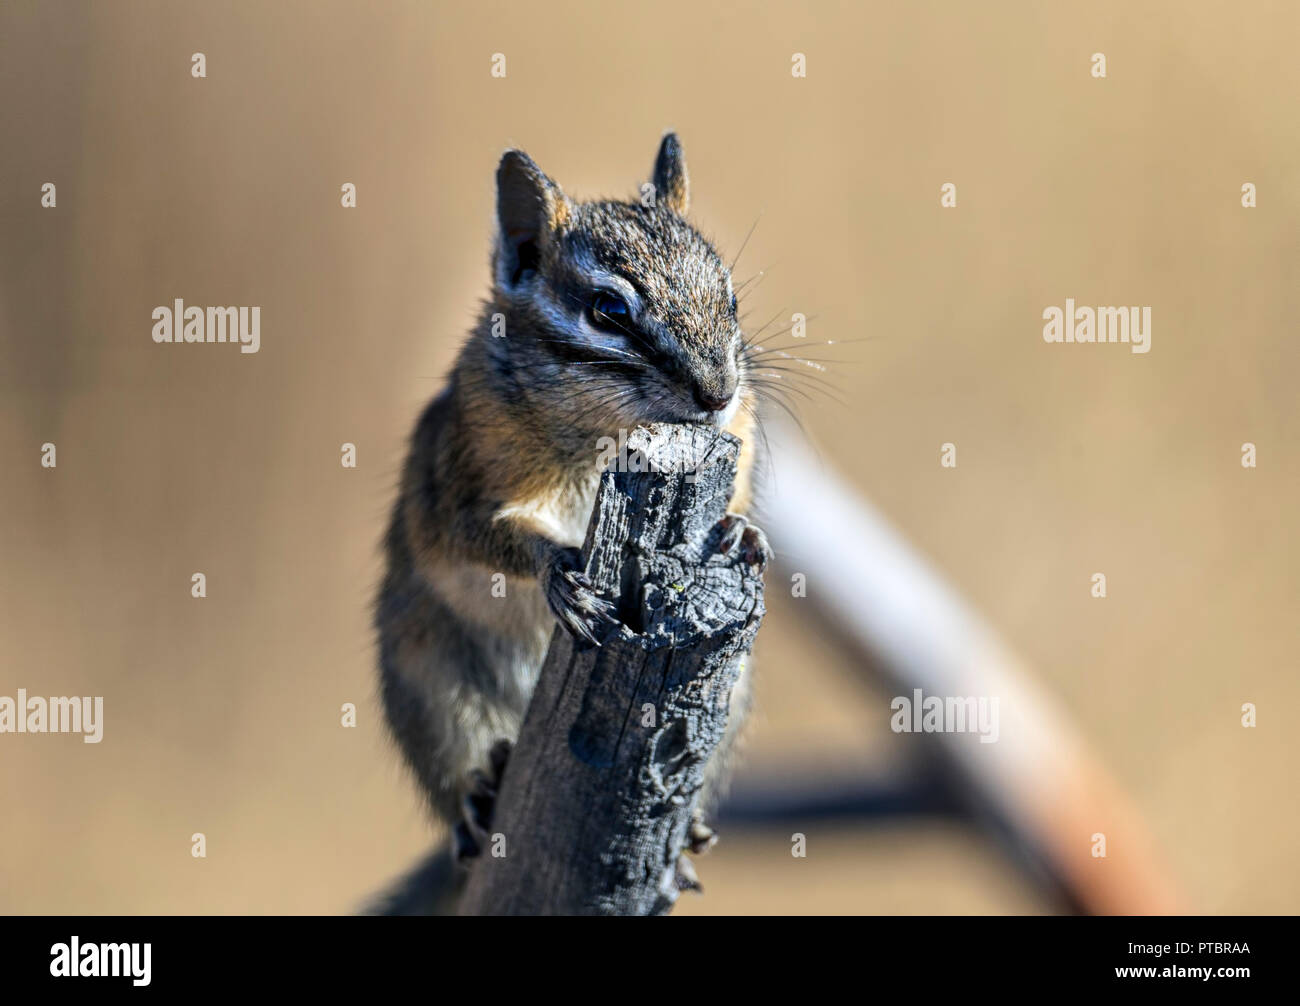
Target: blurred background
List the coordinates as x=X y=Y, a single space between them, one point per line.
x=222 y=715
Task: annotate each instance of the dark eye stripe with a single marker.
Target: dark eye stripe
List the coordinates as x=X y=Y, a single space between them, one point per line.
x=565 y=351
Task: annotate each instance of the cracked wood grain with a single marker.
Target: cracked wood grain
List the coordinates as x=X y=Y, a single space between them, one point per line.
x=596 y=799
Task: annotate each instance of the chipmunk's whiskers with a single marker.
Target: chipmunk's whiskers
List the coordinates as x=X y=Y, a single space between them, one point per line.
x=732 y=267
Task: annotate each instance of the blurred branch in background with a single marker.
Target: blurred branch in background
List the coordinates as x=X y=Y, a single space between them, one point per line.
x=1036 y=787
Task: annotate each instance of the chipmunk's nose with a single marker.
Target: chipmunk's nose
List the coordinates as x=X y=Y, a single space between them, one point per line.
x=710 y=400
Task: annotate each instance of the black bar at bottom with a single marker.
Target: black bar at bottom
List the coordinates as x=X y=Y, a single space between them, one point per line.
x=333 y=955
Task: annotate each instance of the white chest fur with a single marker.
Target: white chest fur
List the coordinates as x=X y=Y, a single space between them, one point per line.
x=561 y=516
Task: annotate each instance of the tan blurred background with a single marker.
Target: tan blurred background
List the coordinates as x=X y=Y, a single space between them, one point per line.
x=222 y=715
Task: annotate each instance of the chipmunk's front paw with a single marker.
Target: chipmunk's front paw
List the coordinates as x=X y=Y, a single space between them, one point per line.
x=749 y=539
x=471 y=833
x=570 y=595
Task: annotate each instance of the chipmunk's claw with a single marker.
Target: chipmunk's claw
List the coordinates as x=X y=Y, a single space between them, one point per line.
x=685 y=877
x=471 y=833
x=748 y=539
x=700 y=838
x=754 y=548
x=575 y=604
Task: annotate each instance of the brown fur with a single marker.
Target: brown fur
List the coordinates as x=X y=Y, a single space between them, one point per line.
x=502 y=466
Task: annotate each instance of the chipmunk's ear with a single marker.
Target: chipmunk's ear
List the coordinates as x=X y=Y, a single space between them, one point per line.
x=530 y=208
x=672 y=187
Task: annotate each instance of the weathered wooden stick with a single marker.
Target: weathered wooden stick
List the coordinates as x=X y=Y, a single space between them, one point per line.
x=596 y=800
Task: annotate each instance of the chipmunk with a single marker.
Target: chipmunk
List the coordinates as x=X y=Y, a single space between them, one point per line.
x=603 y=316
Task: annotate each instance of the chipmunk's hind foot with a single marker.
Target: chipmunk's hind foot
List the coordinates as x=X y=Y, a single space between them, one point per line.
x=700 y=838
x=471 y=833
x=685 y=878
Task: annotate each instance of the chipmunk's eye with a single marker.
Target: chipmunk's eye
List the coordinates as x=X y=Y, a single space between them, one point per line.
x=609 y=312
x=734 y=303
